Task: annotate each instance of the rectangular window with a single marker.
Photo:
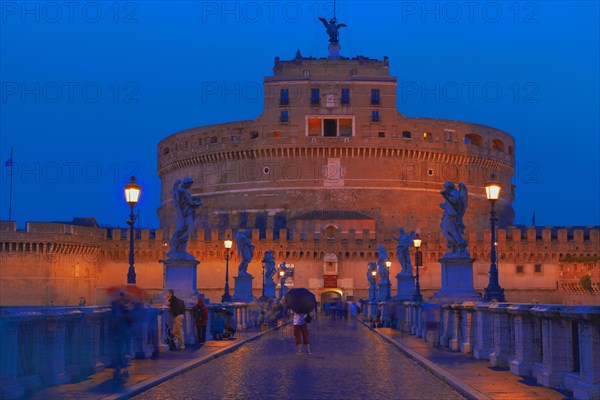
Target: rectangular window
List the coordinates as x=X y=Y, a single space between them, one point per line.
x=254 y=135
x=330 y=127
x=406 y=135
x=375 y=96
x=538 y=268
x=314 y=127
x=284 y=97
x=346 y=96
x=314 y=96
x=283 y=117
x=374 y=116
x=214 y=139
x=381 y=134
x=345 y=127
x=520 y=269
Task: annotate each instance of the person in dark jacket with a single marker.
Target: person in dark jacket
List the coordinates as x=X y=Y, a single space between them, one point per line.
x=176 y=310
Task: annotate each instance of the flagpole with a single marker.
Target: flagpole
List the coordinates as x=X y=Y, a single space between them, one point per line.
x=10 y=190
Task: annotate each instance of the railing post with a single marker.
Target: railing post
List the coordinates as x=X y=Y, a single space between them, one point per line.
x=455 y=310
x=9 y=341
x=501 y=353
x=554 y=342
x=467 y=328
x=484 y=334
x=525 y=338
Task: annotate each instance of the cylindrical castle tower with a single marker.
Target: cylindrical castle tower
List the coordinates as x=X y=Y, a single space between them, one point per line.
x=331 y=138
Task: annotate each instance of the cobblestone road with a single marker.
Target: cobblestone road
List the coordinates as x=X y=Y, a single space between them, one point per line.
x=346 y=363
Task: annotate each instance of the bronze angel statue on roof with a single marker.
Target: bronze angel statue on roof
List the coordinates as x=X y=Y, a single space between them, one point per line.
x=332 y=29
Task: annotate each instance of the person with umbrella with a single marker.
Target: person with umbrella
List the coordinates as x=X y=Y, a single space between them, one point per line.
x=301 y=332
x=301 y=301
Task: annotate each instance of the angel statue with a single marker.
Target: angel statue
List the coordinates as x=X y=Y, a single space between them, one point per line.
x=382 y=270
x=405 y=241
x=185 y=207
x=452 y=225
x=245 y=251
x=332 y=29
x=269 y=260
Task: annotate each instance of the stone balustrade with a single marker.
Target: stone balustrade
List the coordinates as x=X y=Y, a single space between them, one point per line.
x=45 y=346
x=555 y=344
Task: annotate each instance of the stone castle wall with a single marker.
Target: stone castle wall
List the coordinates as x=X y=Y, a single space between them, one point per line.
x=58 y=263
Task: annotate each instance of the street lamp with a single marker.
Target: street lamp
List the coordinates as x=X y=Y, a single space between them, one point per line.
x=132 y=195
x=264 y=266
x=226 y=296
x=493 y=292
x=373 y=287
x=281 y=282
x=417 y=243
x=388 y=264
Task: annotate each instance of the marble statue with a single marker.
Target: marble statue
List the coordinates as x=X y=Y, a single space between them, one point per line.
x=370 y=277
x=405 y=240
x=382 y=270
x=332 y=29
x=245 y=251
x=185 y=207
x=452 y=225
x=270 y=269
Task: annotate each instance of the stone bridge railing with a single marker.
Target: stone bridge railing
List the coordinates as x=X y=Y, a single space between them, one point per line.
x=45 y=346
x=557 y=345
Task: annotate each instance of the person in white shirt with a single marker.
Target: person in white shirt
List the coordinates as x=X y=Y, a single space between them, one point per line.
x=301 y=332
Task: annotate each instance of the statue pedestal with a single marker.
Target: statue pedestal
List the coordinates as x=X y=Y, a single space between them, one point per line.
x=406 y=287
x=180 y=275
x=270 y=289
x=383 y=293
x=334 y=51
x=243 y=288
x=372 y=293
x=457 y=281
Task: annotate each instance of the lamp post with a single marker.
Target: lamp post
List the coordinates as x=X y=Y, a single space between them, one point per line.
x=132 y=195
x=373 y=288
x=493 y=292
x=264 y=266
x=281 y=282
x=417 y=243
x=226 y=296
x=388 y=264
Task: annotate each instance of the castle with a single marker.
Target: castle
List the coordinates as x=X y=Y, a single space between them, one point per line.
x=325 y=174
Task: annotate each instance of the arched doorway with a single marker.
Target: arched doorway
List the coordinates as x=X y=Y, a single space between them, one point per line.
x=329 y=297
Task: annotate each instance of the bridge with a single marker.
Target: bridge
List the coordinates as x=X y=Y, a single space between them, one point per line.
x=63 y=353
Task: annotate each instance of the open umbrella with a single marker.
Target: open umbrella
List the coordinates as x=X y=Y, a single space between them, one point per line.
x=300 y=300
x=127 y=293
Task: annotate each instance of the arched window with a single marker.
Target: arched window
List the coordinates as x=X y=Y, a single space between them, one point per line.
x=473 y=139
x=498 y=144
x=330 y=232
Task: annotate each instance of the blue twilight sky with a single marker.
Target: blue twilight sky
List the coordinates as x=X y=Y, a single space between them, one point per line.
x=89 y=88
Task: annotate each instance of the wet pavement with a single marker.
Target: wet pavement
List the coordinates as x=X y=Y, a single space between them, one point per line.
x=346 y=363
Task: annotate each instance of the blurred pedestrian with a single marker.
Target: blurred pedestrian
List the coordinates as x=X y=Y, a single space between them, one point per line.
x=301 y=332
x=200 y=314
x=176 y=310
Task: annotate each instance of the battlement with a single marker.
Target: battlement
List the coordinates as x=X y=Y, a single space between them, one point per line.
x=518 y=243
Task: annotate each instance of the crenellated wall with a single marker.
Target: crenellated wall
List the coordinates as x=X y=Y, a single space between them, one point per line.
x=58 y=264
